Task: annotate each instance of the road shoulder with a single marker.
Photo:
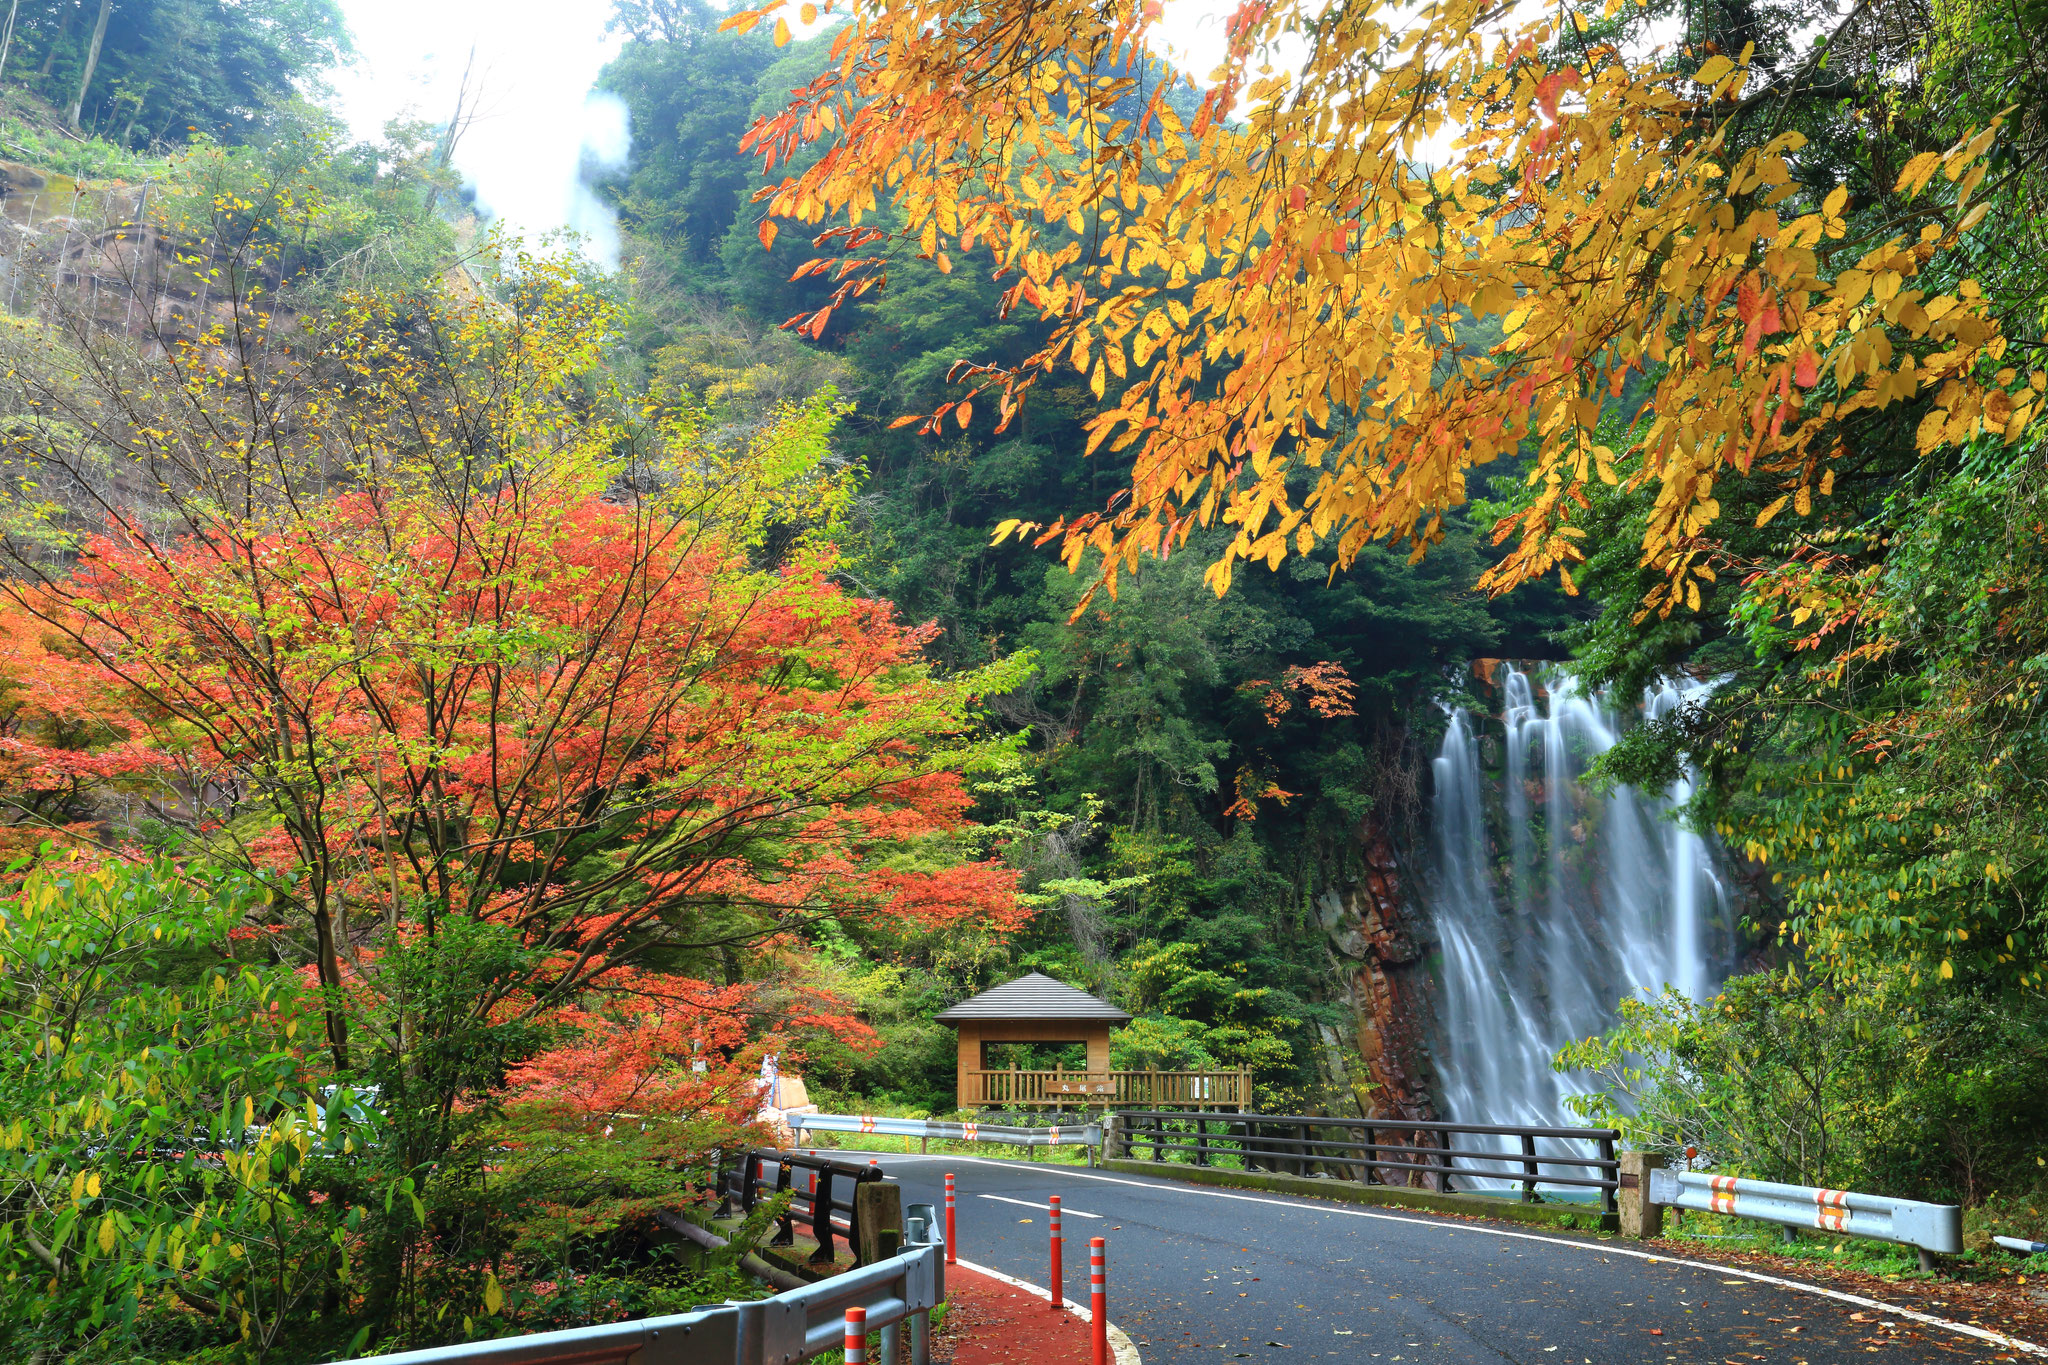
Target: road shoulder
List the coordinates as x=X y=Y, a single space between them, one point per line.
x=997 y=1319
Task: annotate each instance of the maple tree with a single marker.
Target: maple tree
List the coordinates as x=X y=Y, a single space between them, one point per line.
x=532 y=717
x=526 y=660
x=1282 y=293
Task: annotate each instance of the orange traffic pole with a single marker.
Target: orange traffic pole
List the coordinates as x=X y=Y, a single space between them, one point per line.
x=952 y=1252
x=1098 y=1297
x=1053 y=1289
x=856 y=1344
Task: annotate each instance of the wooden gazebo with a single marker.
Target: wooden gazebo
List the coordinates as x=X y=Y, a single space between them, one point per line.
x=1038 y=1009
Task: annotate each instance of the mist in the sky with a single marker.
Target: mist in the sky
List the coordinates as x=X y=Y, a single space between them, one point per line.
x=537 y=130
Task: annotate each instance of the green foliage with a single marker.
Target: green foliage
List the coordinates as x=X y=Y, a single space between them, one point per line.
x=34 y=142
x=170 y=67
x=159 y=1134
x=1920 y=1094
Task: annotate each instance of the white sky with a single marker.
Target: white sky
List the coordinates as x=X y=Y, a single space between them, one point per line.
x=536 y=62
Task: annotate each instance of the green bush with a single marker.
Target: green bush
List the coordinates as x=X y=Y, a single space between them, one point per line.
x=1916 y=1094
x=158 y=1134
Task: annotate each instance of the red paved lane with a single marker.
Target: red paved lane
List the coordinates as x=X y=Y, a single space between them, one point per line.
x=992 y=1323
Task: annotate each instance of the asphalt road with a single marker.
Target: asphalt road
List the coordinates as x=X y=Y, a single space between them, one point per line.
x=1198 y=1275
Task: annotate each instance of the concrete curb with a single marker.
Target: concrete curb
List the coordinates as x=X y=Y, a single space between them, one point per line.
x=1390 y=1196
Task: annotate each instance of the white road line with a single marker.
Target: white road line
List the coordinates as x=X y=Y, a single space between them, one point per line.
x=1120 y=1344
x=1603 y=1248
x=1027 y=1204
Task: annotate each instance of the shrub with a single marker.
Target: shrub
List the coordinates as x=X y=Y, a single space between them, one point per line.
x=1928 y=1095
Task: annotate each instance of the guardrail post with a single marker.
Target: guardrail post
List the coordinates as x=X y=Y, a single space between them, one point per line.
x=921 y=1337
x=952 y=1245
x=752 y=1318
x=1607 y=1202
x=1098 y=1298
x=785 y=1234
x=1528 y=1168
x=1053 y=1290
x=892 y=1344
x=821 y=1213
x=1372 y=1157
x=1640 y=1217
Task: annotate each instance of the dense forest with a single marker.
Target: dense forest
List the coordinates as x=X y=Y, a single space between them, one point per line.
x=1171 y=750
x=455 y=699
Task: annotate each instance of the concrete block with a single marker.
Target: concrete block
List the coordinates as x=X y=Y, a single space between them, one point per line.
x=1640 y=1218
x=878 y=1218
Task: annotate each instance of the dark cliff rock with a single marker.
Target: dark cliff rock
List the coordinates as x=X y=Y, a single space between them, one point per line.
x=1371 y=926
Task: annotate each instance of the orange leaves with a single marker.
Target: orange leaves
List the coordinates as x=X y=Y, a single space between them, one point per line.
x=1274 y=287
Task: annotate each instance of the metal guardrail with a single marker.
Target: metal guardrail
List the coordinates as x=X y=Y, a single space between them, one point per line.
x=795 y=1326
x=1283 y=1145
x=1936 y=1229
x=1076 y=1135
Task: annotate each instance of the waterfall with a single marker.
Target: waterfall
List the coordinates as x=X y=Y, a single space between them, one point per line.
x=1591 y=899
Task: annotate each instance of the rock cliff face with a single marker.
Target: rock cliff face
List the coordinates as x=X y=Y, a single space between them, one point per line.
x=1374 y=929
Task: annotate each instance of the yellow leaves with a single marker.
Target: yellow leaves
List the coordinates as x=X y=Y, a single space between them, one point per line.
x=107 y=1235
x=1850 y=286
x=494 y=1294
x=1714 y=71
x=782 y=33
x=1566 y=212
x=1917 y=173
x=808 y=13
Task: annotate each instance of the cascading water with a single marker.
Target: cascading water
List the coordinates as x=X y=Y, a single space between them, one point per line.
x=1596 y=898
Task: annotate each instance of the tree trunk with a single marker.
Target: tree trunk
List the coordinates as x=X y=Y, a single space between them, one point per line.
x=7 y=39
x=92 y=60
x=50 y=57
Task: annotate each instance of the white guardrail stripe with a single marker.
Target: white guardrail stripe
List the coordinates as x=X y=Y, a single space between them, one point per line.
x=1936 y=1228
x=1085 y=1135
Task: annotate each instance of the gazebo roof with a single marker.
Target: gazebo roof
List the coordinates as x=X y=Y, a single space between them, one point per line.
x=1036 y=996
